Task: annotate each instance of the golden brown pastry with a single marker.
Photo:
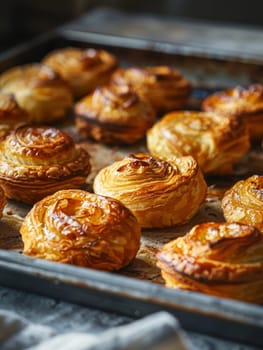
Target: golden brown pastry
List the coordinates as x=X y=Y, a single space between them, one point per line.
x=2 y=201
x=39 y=90
x=81 y=228
x=244 y=202
x=165 y=88
x=114 y=114
x=38 y=160
x=159 y=193
x=246 y=103
x=83 y=69
x=222 y=259
x=11 y=114
x=217 y=142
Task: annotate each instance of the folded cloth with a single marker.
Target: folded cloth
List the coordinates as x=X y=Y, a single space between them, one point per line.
x=16 y=333
x=159 y=331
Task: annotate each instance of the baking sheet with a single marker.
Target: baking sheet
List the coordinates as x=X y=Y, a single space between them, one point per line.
x=116 y=292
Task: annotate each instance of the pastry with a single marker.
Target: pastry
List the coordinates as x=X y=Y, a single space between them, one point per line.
x=11 y=114
x=222 y=259
x=114 y=114
x=158 y=193
x=246 y=103
x=244 y=202
x=217 y=142
x=39 y=90
x=165 y=88
x=83 y=69
x=2 y=201
x=81 y=228
x=38 y=160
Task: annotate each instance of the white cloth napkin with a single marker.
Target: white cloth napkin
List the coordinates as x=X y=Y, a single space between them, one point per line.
x=159 y=331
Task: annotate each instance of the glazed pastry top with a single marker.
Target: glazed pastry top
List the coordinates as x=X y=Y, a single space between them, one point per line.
x=81 y=228
x=41 y=151
x=236 y=101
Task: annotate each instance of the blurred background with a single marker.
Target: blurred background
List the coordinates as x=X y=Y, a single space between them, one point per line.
x=24 y=19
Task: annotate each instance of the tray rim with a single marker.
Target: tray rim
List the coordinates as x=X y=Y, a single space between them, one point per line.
x=130 y=42
x=197 y=312
x=237 y=313
x=167 y=47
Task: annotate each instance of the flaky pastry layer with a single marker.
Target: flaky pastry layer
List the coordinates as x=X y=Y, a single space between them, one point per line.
x=246 y=103
x=159 y=193
x=81 y=228
x=223 y=259
x=114 y=114
x=38 y=160
x=217 y=142
x=243 y=202
x=165 y=88
x=39 y=90
x=83 y=69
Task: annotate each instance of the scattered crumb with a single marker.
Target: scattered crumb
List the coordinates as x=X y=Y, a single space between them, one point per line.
x=9 y=212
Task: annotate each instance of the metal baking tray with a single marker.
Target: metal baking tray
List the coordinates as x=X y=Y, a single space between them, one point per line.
x=138 y=289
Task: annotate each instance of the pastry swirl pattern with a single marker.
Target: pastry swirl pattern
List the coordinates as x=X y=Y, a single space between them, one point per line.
x=83 y=69
x=247 y=103
x=217 y=142
x=243 y=202
x=164 y=87
x=81 y=228
x=39 y=90
x=114 y=114
x=37 y=160
x=223 y=259
x=159 y=193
